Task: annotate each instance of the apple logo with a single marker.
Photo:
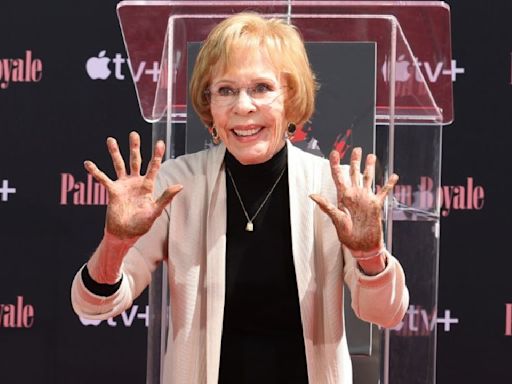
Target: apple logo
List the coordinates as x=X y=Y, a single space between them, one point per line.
x=402 y=73
x=97 y=67
x=87 y=322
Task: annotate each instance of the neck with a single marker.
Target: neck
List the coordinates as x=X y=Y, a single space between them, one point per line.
x=268 y=169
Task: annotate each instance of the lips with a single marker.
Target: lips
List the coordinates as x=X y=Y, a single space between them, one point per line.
x=245 y=132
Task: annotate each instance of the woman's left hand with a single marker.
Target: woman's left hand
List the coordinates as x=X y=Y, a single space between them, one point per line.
x=357 y=216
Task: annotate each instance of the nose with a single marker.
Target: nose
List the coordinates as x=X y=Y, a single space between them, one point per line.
x=244 y=103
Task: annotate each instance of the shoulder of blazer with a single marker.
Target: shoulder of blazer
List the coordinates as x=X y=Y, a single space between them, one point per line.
x=193 y=165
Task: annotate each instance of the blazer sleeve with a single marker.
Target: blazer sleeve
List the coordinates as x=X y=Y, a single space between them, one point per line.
x=137 y=267
x=382 y=299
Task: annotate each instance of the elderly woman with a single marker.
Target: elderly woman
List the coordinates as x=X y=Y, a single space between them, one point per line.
x=260 y=237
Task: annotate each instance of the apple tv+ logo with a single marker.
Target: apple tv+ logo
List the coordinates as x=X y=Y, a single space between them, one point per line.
x=102 y=67
x=126 y=319
x=405 y=70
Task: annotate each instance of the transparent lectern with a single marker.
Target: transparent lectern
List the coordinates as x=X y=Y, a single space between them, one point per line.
x=413 y=100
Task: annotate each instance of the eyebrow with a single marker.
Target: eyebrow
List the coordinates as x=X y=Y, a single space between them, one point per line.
x=255 y=80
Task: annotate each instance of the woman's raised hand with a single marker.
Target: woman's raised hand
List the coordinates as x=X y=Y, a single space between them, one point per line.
x=357 y=216
x=131 y=208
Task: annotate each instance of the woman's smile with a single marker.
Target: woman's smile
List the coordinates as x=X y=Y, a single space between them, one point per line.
x=247 y=132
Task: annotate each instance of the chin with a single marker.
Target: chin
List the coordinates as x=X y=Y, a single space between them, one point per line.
x=248 y=159
x=255 y=154
x=250 y=155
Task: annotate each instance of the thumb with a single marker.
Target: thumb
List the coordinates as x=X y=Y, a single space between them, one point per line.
x=325 y=205
x=340 y=219
x=167 y=196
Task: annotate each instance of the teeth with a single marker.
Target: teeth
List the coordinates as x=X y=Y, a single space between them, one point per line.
x=247 y=132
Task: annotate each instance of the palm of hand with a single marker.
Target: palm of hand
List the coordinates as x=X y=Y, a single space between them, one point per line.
x=132 y=209
x=358 y=220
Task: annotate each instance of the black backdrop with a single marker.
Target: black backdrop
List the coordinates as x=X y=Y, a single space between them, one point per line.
x=56 y=116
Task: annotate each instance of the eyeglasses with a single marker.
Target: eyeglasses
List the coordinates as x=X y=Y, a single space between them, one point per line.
x=260 y=94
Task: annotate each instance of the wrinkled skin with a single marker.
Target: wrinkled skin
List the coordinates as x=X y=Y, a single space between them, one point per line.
x=132 y=209
x=250 y=68
x=357 y=215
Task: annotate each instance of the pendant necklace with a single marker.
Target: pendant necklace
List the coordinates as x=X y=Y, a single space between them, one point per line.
x=250 y=226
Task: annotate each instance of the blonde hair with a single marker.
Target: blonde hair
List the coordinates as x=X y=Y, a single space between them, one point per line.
x=283 y=45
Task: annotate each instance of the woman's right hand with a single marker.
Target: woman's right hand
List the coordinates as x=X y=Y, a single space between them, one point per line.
x=132 y=209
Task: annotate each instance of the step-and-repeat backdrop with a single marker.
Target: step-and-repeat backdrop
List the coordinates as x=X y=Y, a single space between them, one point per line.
x=65 y=86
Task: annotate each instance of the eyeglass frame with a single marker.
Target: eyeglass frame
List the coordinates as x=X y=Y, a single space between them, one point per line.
x=279 y=91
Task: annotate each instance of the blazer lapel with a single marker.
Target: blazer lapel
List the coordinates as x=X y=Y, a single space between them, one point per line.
x=301 y=183
x=215 y=260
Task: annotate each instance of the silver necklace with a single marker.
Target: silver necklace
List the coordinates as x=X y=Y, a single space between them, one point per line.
x=249 y=227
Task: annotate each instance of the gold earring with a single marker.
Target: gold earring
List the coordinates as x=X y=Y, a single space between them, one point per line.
x=291 y=129
x=215 y=135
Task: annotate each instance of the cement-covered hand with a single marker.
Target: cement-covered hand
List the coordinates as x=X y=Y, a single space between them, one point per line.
x=357 y=215
x=131 y=207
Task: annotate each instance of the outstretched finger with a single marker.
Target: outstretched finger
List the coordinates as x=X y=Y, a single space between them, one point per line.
x=338 y=217
x=334 y=160
x=325 y=205
x=355 y=166
x=369 y=171
x=117 y=159
x=387 y=187
x=98 y=175
x=135 y=158
x=156 y=161
x=166 y=197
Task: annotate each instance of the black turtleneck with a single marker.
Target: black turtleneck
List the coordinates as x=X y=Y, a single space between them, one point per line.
x=262 y=339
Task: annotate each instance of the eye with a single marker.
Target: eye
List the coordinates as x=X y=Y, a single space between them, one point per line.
x=225 y=91
x=262 y=88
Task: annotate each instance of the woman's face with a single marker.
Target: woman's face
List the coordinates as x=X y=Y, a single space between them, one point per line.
x=247 y=105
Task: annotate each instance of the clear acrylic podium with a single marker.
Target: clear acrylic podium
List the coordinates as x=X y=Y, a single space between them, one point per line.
x=413 y=100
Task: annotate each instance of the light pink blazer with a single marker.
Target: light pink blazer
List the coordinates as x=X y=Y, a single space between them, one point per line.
x=191 y=236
